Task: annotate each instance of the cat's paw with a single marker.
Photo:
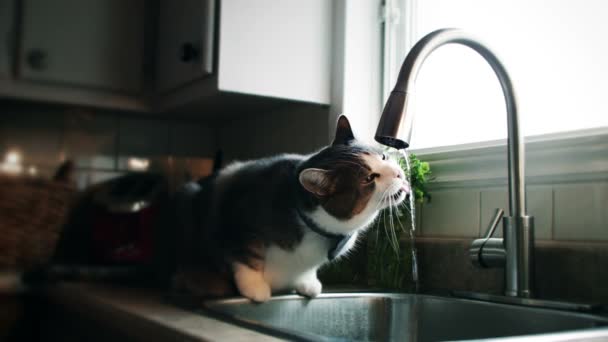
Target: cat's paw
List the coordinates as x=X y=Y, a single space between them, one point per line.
x=251 y=283
x=310 y=288
x=257 y=292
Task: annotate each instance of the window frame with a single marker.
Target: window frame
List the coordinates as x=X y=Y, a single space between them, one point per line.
x=481 y=163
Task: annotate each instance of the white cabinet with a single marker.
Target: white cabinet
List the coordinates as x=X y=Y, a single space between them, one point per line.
x=168 y=56
x=85 y=43
x=185 y=42
x=7 y=37
x=276 y=48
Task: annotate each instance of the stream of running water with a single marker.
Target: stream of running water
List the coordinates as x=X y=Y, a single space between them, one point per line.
x=412 y=230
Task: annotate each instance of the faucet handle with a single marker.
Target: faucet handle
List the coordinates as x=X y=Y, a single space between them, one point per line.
x=494 y=223
x=488 y=251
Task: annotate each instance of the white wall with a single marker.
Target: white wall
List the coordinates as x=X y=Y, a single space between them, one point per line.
x=356 y=68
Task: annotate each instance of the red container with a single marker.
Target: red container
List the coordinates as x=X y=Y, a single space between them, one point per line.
x=124 y=221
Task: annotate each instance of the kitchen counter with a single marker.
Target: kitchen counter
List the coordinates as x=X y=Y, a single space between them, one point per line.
x=141 y=315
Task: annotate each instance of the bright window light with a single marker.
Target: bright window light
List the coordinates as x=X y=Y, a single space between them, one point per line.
x=556 y=52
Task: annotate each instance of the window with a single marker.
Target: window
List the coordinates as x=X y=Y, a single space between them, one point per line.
x=556 y=52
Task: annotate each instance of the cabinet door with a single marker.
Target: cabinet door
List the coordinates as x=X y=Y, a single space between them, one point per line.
x=278 y=48
x=93 y=43
x=185 y=42
x=6 y=36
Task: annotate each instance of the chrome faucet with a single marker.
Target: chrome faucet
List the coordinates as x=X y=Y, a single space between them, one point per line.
x=514 y=252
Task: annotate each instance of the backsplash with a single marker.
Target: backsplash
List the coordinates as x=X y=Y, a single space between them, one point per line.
x=567 y=189
x=103 y=144
x=302 y=128
x=567 y=193
x=573 y=211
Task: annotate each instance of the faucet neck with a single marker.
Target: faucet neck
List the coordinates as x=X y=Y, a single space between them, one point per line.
x=518 y=229
x=395 y=115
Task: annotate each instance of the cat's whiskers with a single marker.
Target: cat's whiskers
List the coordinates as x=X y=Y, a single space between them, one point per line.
x=380 y=217
x=390 y=221
x=377 y=219
x=386 y=231
x=383 y=198
x=393 y=237
x=402 y=204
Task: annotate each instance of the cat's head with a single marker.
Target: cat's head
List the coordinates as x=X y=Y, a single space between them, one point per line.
x=350 y=182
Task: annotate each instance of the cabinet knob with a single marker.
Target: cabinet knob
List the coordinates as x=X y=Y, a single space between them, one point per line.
x=37 y=59
x=188 y=53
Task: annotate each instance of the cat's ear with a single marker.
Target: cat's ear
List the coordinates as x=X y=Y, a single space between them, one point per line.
x=315 y=181
x=344 y=134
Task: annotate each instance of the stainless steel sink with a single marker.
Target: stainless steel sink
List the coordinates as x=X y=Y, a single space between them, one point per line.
x=399 y=317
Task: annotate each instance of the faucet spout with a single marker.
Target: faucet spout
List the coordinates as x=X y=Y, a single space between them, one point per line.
x=518 y=228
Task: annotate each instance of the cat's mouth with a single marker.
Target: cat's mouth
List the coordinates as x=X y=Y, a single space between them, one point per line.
x=396 y=198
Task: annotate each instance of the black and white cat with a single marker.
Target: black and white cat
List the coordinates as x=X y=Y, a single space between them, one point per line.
x=267 y=225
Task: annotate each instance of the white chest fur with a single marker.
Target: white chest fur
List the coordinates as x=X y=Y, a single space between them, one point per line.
x=286 y=268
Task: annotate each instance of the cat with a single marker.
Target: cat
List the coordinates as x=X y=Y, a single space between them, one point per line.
x=267 y=225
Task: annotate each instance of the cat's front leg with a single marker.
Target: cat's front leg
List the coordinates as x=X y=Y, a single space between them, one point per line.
x=250 y=282
x=308 y=284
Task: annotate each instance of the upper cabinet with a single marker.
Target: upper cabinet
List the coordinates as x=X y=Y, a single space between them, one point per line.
x=88 y=43
x=196 y=57
x=186 y=31
x=6 y=36
x=277 y=48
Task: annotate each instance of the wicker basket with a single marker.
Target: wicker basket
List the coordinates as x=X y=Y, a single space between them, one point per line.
x=32 y=213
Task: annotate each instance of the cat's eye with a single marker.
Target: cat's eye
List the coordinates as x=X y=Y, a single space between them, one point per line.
x=384 y=156
x=371 y=178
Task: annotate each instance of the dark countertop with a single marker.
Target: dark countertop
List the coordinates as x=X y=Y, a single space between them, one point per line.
x=144 y=314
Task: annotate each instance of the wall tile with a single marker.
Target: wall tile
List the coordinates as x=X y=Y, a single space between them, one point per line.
x=539 y=204
x=570 y=271
x=490 y=200
x=192 y=140
x=156 y=164
x=143 y=138
x=37 y=135
x=86 y=178
x=91 y=140
x=581 y=211
x=183 y=170
x=7 y=9
x=452 y=213
x=293 y=129
x=444 y=264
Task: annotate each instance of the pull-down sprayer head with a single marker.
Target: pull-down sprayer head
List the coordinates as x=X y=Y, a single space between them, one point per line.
x=394 y=128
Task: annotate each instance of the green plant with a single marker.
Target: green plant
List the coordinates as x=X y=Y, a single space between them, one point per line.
x=419 y=175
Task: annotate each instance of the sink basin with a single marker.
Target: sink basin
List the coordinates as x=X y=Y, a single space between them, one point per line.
x=397 y=317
